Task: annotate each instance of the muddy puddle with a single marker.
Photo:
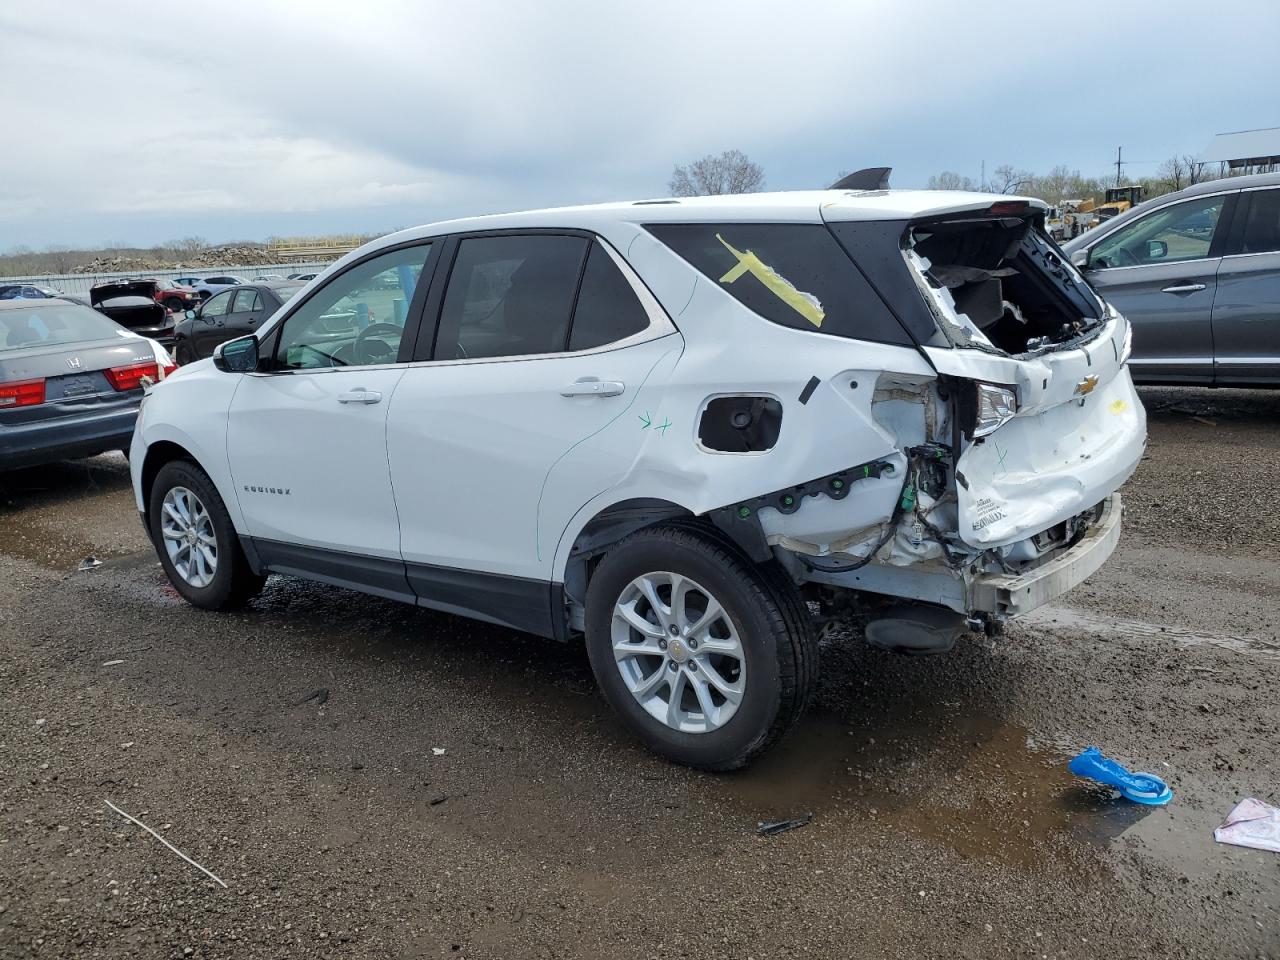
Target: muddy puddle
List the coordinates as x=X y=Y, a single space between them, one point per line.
x=976 y=785
x=56 y=515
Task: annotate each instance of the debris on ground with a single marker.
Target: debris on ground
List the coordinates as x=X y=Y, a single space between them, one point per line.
x=203 y=870
x=319 y=695
x=112 y=663
x=1251 y=823
x=439 y=799
x=1139 y=787
x=437 y=751
x=89 y=563
x=768 y=828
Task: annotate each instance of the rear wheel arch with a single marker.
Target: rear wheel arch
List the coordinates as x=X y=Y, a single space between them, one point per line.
x=609 y=526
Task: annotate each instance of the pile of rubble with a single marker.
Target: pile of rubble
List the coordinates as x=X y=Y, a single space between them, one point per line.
x=238 y=254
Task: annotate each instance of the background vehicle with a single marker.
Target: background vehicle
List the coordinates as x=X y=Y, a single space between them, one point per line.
x=669 y=452
x=1197 y=274
x=173 y=296
x=227 y=315
x=70 y=381
x=303 y=276
x=1118 y=200
x=211 y=285
x=132 y=304
x=26 y=291
x=193 y=282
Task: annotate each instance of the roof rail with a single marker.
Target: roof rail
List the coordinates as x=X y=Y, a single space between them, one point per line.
x=872 y=178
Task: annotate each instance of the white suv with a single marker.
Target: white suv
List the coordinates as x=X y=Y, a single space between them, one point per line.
x=679 y=429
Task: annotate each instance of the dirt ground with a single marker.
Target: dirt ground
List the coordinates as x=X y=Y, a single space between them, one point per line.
x=372 y=780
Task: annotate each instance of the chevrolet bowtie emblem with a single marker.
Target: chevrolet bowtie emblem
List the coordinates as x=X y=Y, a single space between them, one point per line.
x=1086 y=386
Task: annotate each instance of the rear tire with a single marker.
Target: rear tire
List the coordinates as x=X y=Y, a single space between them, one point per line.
x=183 y=354
x=742 y=680
x=174 y=304
x=198 y=546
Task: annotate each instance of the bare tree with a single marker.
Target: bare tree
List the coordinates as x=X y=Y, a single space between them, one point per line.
x=950 y=180
x=1005 y=179
x=731 y=172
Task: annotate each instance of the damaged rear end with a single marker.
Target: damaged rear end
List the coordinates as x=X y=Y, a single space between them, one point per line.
x=1014 y=451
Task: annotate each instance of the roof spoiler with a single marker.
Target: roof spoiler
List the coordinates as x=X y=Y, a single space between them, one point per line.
x=872 y=178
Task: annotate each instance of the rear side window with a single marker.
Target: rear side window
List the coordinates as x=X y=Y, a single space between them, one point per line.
x=510 y=296
x=794 y=274
x=608 y=309
x=246 y=300
x=1262 y=222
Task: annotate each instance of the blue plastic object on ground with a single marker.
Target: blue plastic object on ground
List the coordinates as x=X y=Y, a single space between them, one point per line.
x=1138 y=787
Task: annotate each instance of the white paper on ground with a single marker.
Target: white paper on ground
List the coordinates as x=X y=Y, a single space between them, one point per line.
x=1251 y=824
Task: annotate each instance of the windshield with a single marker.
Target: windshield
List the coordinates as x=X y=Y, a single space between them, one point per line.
x=53 y=324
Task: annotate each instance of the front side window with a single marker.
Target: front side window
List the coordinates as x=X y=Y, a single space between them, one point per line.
x=217 y=306
x=1262 y=222
x=1180 y=231
x=358 y=317
x=509 y=296
x=793 y=274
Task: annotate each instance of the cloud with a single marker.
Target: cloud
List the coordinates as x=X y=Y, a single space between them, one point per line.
x=262 y=117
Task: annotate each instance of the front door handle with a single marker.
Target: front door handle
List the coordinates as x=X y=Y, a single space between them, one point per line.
x=360 y=395
x=591 y=387
x=1184 y=288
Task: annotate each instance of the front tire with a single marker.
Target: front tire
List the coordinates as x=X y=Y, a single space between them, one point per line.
x=174 y=305
x=197 y=544
x=708 y=658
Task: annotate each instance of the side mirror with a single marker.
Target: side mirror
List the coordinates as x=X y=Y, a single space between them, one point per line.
x=1080 y=259
x=237 y=356
x=189 y=314
x=1157 y=249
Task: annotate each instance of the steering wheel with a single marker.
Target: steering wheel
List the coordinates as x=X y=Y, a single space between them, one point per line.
x=1120 y=257
x=367 y=350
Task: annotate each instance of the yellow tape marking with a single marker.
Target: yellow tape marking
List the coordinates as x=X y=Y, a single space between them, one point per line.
x=805 y=304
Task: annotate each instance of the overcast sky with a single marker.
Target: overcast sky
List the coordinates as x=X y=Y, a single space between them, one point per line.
x=142 y=122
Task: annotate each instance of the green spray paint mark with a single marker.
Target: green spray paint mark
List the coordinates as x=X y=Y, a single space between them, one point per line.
x=537 y=516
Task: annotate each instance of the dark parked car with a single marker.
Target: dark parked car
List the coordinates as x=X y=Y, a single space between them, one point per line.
x=227 y=315
x=71 y=381
x=1197 y=274
x=130 y=303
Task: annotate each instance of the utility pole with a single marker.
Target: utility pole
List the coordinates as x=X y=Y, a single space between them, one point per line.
x=1119 y=162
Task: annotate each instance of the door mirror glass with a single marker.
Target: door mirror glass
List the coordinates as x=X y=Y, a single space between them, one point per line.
x=1157 y=249
x=190 y=314
x=237 y=356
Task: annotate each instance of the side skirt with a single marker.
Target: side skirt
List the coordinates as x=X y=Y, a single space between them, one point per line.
x=516 y=602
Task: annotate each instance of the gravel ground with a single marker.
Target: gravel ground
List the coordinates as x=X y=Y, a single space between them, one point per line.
x=372 y=780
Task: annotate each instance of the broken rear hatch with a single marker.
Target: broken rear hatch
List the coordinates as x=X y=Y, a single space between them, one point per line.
x=1048 y=423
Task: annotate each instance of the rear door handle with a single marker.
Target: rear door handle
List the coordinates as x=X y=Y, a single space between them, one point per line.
x=1184 y=288
x=360 y=395
x=591 y=387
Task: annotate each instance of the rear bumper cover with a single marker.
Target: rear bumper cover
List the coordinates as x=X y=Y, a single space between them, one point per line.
x=993 y=596
x=1003 y=595
x=46 y=441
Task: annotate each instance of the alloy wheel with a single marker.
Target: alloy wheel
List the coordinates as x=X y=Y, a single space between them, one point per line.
x=679 y=653
x=189 y=538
